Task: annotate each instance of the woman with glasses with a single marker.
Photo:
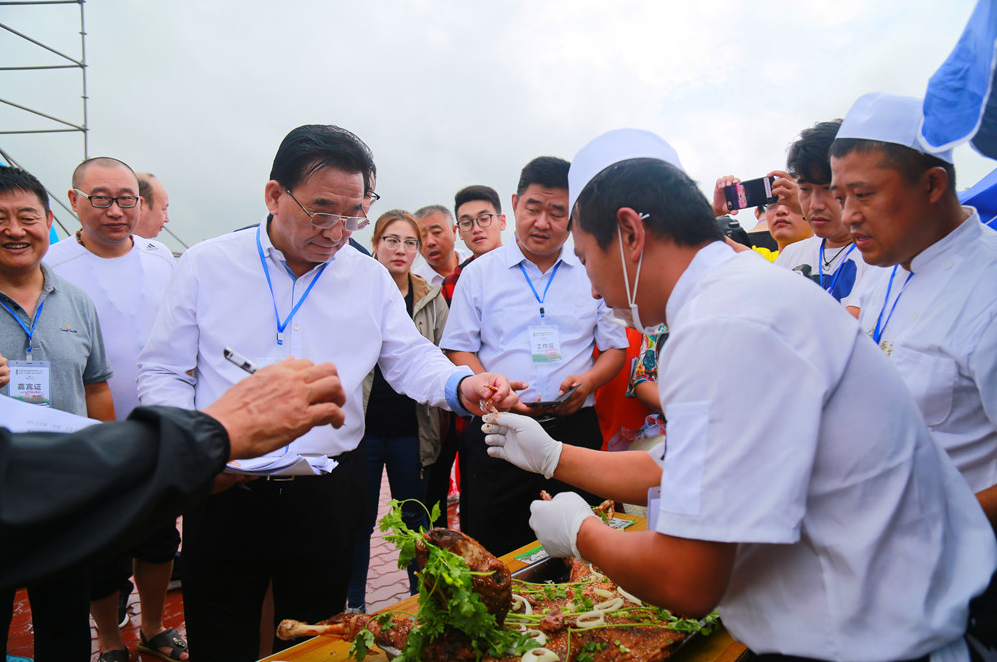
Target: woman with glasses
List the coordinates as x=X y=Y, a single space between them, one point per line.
x=400 y=434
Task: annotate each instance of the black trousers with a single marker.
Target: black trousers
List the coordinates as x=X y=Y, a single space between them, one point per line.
x=438 y=474
x=60 y=617
x=495 y=495
x=111 y=575
x=300 y=534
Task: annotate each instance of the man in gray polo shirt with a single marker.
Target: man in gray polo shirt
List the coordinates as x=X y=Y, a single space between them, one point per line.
x=51 y=338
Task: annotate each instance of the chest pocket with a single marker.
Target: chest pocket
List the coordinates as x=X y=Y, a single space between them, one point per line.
x=931 y=379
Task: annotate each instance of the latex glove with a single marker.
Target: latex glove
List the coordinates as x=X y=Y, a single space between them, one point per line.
x=521 y=441
x=556 y=523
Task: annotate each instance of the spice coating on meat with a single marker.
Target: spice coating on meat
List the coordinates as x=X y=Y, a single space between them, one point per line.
x=494 y=587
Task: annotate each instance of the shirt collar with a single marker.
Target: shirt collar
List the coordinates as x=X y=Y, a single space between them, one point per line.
x=48 y=282
x=967 y=231
x=707 y=259
x=514 y=256
x=275 y=253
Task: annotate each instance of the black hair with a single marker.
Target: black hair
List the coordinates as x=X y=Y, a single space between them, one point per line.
x=15 y=179
x=809 y=158
x=477 y=192
x=546 y=171
x=312 y=147
x=145 y=187
x=910 y=163
x=676 y=209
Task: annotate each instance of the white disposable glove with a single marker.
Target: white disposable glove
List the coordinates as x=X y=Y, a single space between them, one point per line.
x=521 y=441
x=556 y=523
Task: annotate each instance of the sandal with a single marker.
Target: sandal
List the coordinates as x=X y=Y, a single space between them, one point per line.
x=119 y=655
x=168 y=638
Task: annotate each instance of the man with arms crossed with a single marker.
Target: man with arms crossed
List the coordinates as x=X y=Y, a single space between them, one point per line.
x=285 y=288
x=832 y=529
x=526 y=310
x=933 y=309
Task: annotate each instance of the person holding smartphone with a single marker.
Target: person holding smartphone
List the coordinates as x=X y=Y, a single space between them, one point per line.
x=400 y=434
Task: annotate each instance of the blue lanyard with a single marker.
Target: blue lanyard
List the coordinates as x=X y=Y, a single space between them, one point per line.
x=283 y=325
x=878 y=332
x=549 y=281
x=30 y=332
x=820 y=265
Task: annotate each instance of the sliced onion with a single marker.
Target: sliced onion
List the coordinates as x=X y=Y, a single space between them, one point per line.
x=595 y=573
x=527 y=607
x=609 y=605
x=540 y=655
x=591 y=619
x=632 y=598
x=538 y=636
x=603 y=593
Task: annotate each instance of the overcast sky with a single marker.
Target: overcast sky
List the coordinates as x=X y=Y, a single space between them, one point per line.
x=449 y=93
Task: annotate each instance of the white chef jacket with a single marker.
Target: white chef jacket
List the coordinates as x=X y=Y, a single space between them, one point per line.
x=493 y=309
x=857 y=538
x=354 y=317
x=942 y=338
x=804 y=257
x=432 y=277
x=126 y=291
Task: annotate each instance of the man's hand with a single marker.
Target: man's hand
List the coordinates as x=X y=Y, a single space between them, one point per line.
x=719 y=199
x=577 y=399
x=4 y=372
x=521 y=441
x=556 y=523
x=490 y=387
x=278 y=404
x=787 y=190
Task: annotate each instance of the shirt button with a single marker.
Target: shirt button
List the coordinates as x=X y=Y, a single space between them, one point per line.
x=947 y=264
x=297 y=328
x=913 y=316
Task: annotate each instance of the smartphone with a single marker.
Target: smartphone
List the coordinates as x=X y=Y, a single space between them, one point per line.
x=549 y=403
x=751 y=193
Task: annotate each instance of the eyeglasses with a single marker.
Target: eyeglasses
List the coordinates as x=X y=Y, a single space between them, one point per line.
x=325 y=221
x=411 y=245
x=483 y=221
x=105 y=201
x=374 y=197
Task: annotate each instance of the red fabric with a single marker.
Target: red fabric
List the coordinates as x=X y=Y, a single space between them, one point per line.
x=613 y=408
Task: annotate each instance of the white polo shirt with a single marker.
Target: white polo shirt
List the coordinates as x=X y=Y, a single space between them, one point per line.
x=842 y=276
x=857 y=538
x=354 y=317
x=942 y=338
x=494 y=307
x=126 y=292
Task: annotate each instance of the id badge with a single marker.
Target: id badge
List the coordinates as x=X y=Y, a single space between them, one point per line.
x=545 y=345
x=29 y=382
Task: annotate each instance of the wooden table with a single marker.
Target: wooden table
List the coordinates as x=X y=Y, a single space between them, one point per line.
x=718 y=647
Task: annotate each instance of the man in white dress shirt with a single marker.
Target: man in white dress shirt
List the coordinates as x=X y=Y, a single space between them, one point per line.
x=126 y=277
x=290 y=287
x=829 y=528
x=933 y=310
x=439 y=250
x=829 y=257
x=526 y=310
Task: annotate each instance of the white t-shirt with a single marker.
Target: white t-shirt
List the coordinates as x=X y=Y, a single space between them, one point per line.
x=942 y=338
x=494 y=308
x=354 y=317
x=126 y=292
x=841 y=277
x=857 y=538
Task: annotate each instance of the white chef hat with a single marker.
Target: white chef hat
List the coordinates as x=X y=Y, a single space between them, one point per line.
x=613 y=147
x=888 y=118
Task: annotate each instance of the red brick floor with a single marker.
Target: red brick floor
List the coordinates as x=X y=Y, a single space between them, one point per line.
x=386 y=584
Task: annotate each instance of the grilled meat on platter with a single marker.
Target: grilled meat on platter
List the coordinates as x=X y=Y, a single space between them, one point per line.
x=587 y=619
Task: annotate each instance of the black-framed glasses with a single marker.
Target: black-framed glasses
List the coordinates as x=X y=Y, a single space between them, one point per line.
x=325 y=221
x=483 y=221
x=105 y=201
x=374 y=197
x=392 y=242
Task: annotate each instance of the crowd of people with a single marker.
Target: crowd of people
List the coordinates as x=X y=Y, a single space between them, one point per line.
x=827 y=460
